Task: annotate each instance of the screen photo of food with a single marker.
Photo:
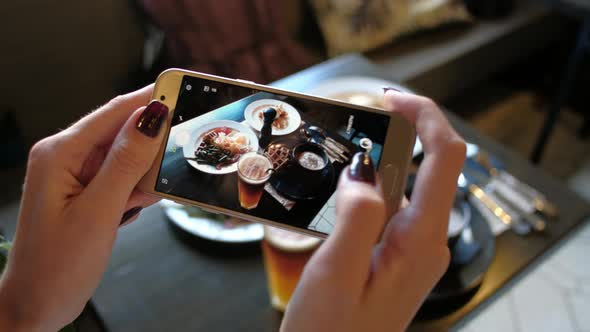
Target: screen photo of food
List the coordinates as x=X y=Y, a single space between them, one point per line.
x=267 y=155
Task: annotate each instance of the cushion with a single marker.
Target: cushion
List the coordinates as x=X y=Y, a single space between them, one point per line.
x=362 y=25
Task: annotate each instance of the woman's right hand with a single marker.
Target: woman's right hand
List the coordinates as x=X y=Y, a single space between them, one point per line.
x=374 y=272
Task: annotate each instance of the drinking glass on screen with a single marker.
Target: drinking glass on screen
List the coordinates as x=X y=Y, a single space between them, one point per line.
x=254 y=170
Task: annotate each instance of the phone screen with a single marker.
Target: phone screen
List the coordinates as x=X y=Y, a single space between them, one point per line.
x=220 y=153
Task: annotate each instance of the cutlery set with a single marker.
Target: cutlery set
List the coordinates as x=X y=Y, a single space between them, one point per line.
x=495 y=193
x=335 y=150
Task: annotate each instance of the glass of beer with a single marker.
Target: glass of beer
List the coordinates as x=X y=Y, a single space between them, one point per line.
x=285 y=255
x=254 y=170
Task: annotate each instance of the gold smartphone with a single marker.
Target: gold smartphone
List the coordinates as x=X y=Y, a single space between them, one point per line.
x=268 y=155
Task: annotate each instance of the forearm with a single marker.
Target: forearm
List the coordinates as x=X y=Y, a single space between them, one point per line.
x=14 y=314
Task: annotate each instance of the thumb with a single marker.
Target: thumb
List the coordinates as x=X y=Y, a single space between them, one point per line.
x=360 y=218
x=129 y=158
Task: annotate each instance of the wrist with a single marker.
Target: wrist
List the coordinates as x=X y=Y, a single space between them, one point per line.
x=14 y=316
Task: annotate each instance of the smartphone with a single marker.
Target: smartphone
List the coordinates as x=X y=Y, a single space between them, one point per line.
x=268 y=155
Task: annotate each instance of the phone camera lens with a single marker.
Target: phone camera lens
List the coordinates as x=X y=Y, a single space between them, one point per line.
x=162 y=97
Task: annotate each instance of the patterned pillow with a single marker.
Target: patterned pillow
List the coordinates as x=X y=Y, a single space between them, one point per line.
x=361 y=25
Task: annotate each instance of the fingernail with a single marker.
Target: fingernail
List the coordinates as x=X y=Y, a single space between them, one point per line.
x=361 y=168
x=390 y=88
x=130 y=214
x=151 y=119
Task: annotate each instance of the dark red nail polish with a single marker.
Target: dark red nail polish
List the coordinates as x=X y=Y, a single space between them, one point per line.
x=390 y=88
x=361 y=168
x=130 y=214
x=151 y=119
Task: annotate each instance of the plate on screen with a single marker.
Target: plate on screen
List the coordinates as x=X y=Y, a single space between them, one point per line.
x=287 y=121
x=249 y=142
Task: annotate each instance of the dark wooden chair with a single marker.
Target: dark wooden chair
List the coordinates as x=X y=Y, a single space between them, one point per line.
x=579 y=9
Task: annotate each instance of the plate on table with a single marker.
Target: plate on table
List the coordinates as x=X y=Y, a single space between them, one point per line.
x=228 y=128
x=359 y=90
x=470 y=259
x=288 y=120
x=213 y=227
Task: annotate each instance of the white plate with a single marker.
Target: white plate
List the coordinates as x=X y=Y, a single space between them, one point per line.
x=197 y=136
x=354 y=84
x=243 y=232
x=359 y=85
x=255 y=122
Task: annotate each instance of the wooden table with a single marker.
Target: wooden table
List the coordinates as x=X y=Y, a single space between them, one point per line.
x=159 y=279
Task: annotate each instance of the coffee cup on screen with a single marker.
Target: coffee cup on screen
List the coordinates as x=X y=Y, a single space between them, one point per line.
x=310 y=161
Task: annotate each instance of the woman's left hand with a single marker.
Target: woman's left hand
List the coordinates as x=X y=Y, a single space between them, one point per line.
x=79 y=188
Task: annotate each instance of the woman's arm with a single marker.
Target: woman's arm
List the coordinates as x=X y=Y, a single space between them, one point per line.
x=374 y=271
x=78 y=185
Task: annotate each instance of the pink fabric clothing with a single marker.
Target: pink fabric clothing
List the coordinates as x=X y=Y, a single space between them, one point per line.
x=236 y=38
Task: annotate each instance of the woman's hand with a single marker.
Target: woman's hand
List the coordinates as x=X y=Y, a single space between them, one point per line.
x=373 y=272
x=78 y=187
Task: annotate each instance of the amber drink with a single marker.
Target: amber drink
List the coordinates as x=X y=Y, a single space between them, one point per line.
x=254 y=170
x=285 y=255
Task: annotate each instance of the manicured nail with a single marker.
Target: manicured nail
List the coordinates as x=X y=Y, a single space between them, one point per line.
x=151 y=119
x=361 y=168
x=130 y=214
x=390 y=88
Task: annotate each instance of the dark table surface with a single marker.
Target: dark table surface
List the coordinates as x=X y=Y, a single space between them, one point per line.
x=161 y=279
x=580 y=8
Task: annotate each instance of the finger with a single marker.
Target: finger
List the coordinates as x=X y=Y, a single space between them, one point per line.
x=101 y=126
x=139 y=198
x=129 y=158
x=136 y=204
x=360 y=215
x=444 y=155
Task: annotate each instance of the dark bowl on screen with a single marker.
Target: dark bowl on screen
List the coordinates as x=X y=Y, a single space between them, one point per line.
x=309 y=163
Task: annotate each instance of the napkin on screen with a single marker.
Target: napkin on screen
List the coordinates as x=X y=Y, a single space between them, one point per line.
x=285 y=202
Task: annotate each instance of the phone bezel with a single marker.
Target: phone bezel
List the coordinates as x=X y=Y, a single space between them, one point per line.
x=398 y=146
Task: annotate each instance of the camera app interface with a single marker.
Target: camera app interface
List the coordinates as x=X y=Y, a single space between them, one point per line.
x=263 y=154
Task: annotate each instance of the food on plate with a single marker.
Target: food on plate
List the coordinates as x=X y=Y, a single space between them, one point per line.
x=227 y=222
x=197 y=212
x=281 y=120
x=221 y=146
x=311 y=161
x=278 y=155
x=360 y=98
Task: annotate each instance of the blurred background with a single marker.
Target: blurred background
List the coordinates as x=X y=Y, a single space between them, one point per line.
x=499 y=66
x=517 y=71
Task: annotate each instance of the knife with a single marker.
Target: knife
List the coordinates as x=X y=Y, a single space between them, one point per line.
x=508 y=218
x=538 y=224
x=537 y=199
x=487 y=206
x=339 y=146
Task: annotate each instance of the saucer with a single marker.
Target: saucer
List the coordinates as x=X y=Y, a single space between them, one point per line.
x=296 y=189
x=470 y=259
